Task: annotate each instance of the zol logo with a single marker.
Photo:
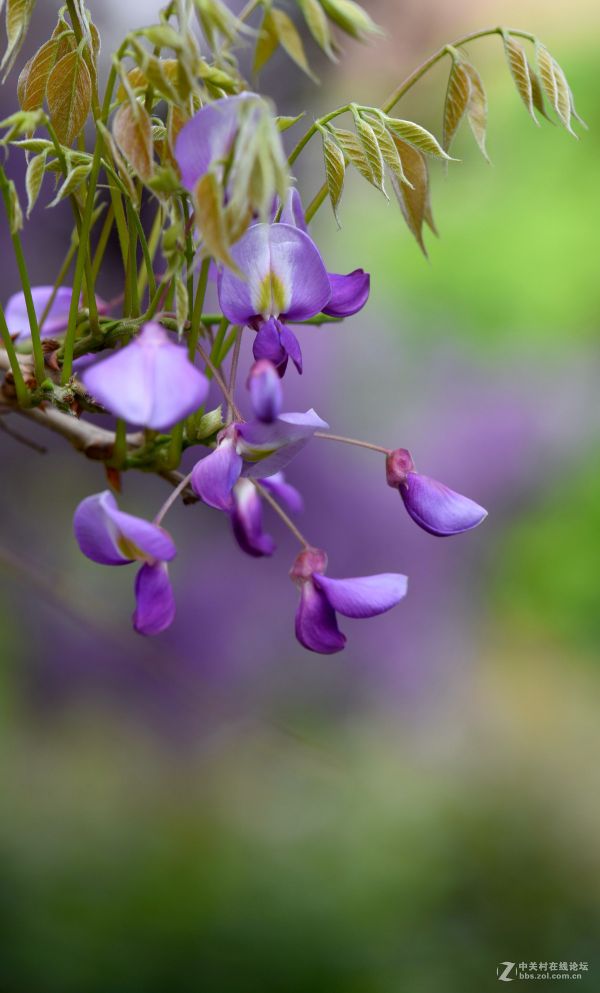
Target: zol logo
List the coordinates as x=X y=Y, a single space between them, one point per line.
x=504 y=970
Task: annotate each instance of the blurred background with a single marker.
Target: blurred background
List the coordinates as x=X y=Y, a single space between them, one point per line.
x=217 y=809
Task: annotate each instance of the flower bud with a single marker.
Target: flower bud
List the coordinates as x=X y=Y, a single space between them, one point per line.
x=266 y=394
x=397 y=466
x=308 y=561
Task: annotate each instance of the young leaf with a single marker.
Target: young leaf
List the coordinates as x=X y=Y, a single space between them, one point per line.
x=33 y=88
x=414 y=199
x=458 y=96
x=132 y=131
x=335 y=168
x=415 y=135
x=111 y=146
x=351 y=18
x=69 y=95
x=368 y=140
x=15 y=214
x=283 y=123
x=33 y=179
x=555 y=86
x=477 y=109
x=521 y=72
x=181 y=303
x=317 y=24
x=18 y=16
x=388 y=148
x=73 y=181
x=537 y=94
x=354 y=152
x=266 y=44
x=279 y=28
x=208 y=202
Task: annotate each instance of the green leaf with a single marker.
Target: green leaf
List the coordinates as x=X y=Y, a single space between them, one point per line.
x=33 y=179
x=279 y=29
x=388 y=148
x=18 y=17
x=351 y=18
x=181 y=303
x=73 y=181
x=15 y=214
x=555 y=86
x=283 y=123
x=521 y=72
x=458 y=96
x=318 y=26
x=210 y=423
x=162 y=36
x=415 y=135
x=132 y=131
x=69 y=95
x=335 y=169
x=266 y=44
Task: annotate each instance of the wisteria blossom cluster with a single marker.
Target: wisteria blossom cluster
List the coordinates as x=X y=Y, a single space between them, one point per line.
x=183 y=132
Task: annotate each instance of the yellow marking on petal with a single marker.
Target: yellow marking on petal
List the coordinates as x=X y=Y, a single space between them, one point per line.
x=272 y=299
x=131 y=551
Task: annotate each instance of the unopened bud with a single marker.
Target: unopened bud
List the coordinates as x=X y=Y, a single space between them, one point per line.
x=309 y=561
x=264 y=384
x=398 y=464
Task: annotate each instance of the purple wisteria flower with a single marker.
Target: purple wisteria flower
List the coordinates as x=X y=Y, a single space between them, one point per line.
x=246 y=512
x=284 y=280
x=433 y=506
x=257 y=448
x=206 y=141
x=56 y=320
x=109 y=536
x=321 y=598
x=151 y=382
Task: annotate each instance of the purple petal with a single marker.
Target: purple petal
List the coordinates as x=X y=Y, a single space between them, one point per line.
x=155 y=604
x=284 y=492
x=365 y=596
x=214 y=476
x=150 y=382
x=438 y=509
x=109 y=536
x=265 y=390
x=293 y=211
x=208 y=138
x=316 y=624
x=56 y=320
x=283 y=274
x=268 y=345
x=246 y=520
x=349 y=293
x=292 y=346
x=268 y=448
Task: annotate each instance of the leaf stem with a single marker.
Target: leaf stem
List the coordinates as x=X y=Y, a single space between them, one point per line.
x=351 y=441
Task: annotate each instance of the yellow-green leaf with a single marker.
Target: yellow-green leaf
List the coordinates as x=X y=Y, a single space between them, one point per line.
x=335 y=169
x=15 y=214
x=18 y=16
x=132 y=131
x=69 y=95
x=388 y=148
x=368 y=140
x=33 y=179
x=266 y=44
x=414 y=199
x=477 y=109
x=317 y=24
x=458 y=95
x=555 y=86
x=521 y=72
x=73 y=181
x=354 y=152
x=351 y=18
x=286 y=33
x=210 y=218
x=181 y=303
x=283 y=123
x=415 y=135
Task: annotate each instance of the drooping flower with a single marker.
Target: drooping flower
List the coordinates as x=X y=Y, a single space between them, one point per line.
x=56 y=319
x=258 y=448
x=151 y=382
x=321 y=598
x=109 y=536
x=432 y=505
x=349 y=293
x=246 y=512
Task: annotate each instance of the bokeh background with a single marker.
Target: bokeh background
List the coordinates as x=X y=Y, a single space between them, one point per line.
x=218 y=809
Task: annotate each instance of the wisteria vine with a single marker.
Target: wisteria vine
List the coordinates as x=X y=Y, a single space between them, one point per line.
x=178 y=127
